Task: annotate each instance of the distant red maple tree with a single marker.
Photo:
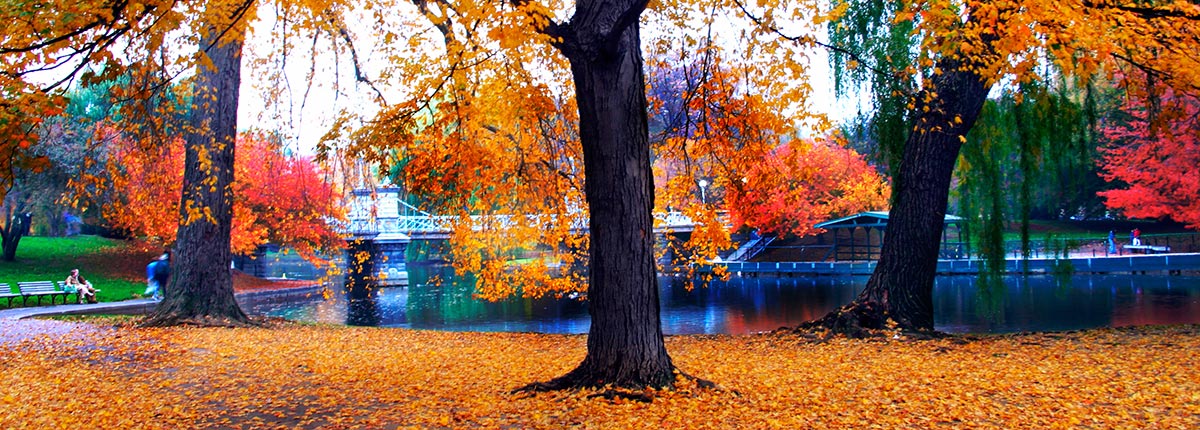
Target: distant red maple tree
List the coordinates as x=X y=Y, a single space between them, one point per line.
x=277 y=198
x=1152 y=153
x=805 y=182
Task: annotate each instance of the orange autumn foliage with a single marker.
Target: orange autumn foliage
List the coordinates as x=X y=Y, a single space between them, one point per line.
x=18 y=132
x=483 y=124
x=805 y=182
x=714 y=126
x=278 y=199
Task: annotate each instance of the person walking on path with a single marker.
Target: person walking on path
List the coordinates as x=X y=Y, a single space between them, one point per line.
x=1112 y=242
x=1137 y=236
x=158 y=272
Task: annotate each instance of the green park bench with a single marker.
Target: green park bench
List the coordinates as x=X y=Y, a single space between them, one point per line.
x=6 y=293
x=71 y=289
x=41 y=289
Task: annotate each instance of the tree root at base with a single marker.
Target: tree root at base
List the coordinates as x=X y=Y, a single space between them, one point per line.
x=611 y=390
x=859 y=320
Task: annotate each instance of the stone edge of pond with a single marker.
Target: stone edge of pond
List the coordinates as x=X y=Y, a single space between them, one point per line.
x=141 y=306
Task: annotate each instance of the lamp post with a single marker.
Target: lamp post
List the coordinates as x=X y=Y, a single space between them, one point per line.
x=703 y=184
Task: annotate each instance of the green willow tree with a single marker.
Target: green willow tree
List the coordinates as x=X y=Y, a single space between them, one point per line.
x=1032 y=156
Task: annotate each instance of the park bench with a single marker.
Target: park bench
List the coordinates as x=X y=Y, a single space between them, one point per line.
x=62 y=285
x=6 y=293
x=40 y=289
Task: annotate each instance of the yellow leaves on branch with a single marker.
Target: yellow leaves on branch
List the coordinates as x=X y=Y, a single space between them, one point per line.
x=342 y=377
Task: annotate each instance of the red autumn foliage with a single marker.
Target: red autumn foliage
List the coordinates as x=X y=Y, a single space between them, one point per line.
x=278 y=199
x=1154 y=154
x=805 y=182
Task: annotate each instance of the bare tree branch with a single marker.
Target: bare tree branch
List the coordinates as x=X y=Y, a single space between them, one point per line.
x=359 y=75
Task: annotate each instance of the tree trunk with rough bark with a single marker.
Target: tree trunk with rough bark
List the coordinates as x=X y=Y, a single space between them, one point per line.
x=200 y=290
x=16 y=226
x=625 y=342
x=901 y=288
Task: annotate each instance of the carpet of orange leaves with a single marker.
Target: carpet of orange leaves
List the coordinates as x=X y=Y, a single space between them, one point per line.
x=294 y=376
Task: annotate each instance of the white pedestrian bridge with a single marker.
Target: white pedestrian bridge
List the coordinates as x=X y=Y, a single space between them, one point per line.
x=380 y=215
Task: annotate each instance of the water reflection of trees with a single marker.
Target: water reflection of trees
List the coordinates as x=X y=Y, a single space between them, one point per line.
x=438 y=299
x=436 y=295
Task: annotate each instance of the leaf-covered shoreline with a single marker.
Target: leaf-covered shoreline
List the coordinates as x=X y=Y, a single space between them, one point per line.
x=338 y=377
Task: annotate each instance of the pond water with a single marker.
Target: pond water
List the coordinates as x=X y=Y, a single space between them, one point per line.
x=749 y=305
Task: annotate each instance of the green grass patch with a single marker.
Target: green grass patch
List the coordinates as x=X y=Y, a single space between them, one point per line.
x=116 y=267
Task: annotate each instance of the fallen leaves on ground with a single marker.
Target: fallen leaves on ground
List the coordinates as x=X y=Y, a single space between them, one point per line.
x=298 y=376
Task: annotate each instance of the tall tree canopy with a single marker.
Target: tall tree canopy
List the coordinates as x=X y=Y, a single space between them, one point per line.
x=1152 y=152
x=278 y=199
x=806 y=182
x=531 y=118
x=49 y=45
x=1032 y=155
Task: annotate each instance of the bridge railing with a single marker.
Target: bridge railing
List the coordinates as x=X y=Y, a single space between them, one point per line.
x=382 y=211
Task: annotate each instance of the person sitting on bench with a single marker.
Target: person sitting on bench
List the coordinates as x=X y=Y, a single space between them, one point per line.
x=83 y=288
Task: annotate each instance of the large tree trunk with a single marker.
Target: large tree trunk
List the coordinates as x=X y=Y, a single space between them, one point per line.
x=901 y=288
x=625 y=343
x=16 y=226
x=200 y=290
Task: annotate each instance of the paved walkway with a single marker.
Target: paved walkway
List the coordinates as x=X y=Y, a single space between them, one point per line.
x=134 y=306
x=15 y=324
x=141 y=306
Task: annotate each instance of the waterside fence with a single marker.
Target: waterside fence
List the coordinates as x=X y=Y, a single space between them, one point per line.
x=1131 y=264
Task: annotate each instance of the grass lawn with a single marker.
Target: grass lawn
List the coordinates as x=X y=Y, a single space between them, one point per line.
x=116 y=267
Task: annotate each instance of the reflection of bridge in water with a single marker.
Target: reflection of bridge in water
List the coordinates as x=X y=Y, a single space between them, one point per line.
x=381 y=223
